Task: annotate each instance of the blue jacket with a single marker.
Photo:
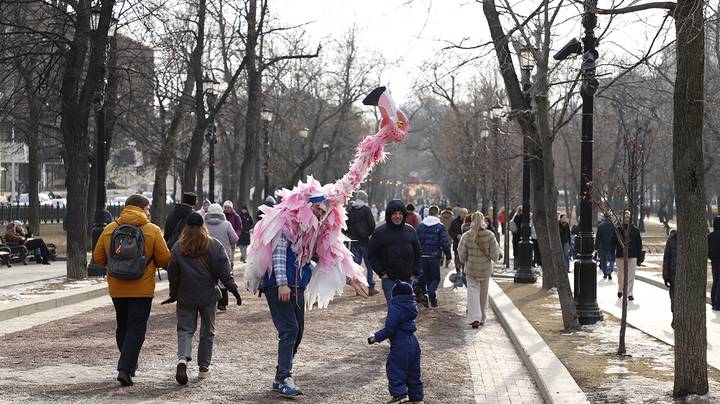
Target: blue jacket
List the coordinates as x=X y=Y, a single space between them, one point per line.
x=604 y=238
x=292 y=273
x=400 y=321
x=433 y=238
x=394 y=250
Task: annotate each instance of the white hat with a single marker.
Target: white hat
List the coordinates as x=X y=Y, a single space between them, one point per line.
x=215 y=208
x=228 y=203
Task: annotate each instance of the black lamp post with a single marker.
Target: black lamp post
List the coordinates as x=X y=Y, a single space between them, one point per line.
x=585 y=291
x=211 y=88
x=266 y=116
x=524 y=273
x=100 y=144
x=495 y=115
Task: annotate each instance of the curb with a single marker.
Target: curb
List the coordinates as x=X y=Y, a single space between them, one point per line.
x=661 y=285
x=60 y=299
x=555 y=383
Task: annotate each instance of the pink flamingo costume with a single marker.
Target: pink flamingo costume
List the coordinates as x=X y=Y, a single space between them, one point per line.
x=323 y=238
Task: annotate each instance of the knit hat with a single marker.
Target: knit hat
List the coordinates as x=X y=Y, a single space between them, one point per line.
x=189 y=198
x=362 y=195
x=215 y=208
x=195 y=219
x=402 y=288
x=228 y=204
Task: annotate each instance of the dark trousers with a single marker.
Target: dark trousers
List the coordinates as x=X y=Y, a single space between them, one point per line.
x=289 y=320
x=715 y=291
x=403 y=368
x=672 y=297
x=431 y=276
x=537 y=260
x=516 y=247
x=131 y=314
x=38 y=243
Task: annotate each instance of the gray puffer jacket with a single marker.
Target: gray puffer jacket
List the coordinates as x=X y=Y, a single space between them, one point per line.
x=478 y=256
x=219 y=228
x=193 y=285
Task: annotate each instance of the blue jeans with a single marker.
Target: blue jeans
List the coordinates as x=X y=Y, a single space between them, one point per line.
x=359 y=253
x=131 y=314
x=387 y=285
x=289 y=320
x=607 y=261
x=715 y=291
x=431 y=275
x=566 y=256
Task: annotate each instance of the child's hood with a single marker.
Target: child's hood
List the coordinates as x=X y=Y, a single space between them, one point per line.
x=406 y=307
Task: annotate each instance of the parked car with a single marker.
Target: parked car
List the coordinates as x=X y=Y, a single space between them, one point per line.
x=168 y=199
x=45 y=200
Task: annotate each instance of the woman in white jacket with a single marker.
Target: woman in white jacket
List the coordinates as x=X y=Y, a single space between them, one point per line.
x=477 y=251
x=219 y=228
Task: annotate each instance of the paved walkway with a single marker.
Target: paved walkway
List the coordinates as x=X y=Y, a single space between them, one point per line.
x=19 y=273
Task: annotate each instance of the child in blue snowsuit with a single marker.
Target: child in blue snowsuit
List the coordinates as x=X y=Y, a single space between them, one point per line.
x=403 y=362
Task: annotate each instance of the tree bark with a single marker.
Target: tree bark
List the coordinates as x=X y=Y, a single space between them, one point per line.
x=254 y=100
x=690 y=327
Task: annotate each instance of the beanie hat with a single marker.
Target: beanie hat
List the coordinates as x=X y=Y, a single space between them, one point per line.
x=228 y=203
x=270 y=201
x=402 y=288
x=189 y=198
x=195 y=219
x=215 y=208
x=362 y=195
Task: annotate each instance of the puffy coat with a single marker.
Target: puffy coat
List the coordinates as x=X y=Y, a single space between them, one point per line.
x=235 y=221
x=156 y=253
x=478 y=256
x=361 y=224
x=400 y=320
x=635 y=247
x=433 y=238
x=247 y=225
x=394 y=250
x=193 y=285
x=175 y=223
x=604 y=237
x=222 y=230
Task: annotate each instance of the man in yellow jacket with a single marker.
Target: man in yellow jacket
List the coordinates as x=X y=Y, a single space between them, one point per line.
x=132 y=298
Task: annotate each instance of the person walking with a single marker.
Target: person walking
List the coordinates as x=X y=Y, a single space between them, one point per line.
x=361 y=225
x=515 y=225
x=632 y=234
x=605 y=247
x=714 y=255
x=197 y=263
x=394 y=250
x=204 y=208
x=413 y=218
x=669 y=269
x=565 y=240
x=178 y=216
x=132 y=298
x=219 y=228
x=446 y=218
x=536 y=257
x=403 y=361
x=477 y=251
x=455 y=231
x=433 y=242
x=247 y=225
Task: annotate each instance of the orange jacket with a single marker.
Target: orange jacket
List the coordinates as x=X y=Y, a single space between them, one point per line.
x=156 y=253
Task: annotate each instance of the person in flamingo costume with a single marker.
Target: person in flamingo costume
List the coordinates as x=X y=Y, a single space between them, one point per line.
x=307 y=225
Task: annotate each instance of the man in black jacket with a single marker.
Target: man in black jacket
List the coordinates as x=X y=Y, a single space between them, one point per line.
x=714 y=255
x=669 y=267
x=176 y=220
x=394 y=250
x=361 y=224
x=632 y=234
x=455 y=232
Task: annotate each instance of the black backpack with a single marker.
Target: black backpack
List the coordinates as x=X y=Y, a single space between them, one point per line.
x=127 y=252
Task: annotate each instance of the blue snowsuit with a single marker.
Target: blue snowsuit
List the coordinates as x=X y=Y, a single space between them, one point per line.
x=403 y=362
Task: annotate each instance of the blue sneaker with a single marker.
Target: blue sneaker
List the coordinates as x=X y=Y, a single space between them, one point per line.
x=287 y=388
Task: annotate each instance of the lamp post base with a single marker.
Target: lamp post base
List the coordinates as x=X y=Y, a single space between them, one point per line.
x=524 y=272
x=585 y=292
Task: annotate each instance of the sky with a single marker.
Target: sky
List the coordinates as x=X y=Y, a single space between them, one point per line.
x=410 y=32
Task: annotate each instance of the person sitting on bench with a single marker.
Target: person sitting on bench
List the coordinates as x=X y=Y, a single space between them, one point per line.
x=16 y=235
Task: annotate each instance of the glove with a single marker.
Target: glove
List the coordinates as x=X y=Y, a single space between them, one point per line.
x=169 y=300
x=237 y=297
x=371 y=340
x=667 y=283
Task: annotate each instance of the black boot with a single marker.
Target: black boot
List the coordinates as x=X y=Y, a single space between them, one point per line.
x=124 y=378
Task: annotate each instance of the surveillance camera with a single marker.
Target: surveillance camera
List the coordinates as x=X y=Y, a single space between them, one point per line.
x=572 y=47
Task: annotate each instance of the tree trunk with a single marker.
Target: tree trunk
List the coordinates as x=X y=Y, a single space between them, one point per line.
x=34 y=164
x=254 y=101
x=691 y=375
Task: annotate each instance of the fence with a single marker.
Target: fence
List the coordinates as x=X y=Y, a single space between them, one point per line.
x=48 y=214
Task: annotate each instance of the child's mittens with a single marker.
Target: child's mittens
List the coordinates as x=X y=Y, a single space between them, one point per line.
x=371 y=340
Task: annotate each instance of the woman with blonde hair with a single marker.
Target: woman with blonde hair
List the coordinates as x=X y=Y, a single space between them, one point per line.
x=477 y=251
x=196 y=264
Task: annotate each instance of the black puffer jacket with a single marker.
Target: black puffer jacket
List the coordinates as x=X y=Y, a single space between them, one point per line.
x=635 y=246
x=175 y=223
x=714 y=241
x=670 y=259
x=394 y=250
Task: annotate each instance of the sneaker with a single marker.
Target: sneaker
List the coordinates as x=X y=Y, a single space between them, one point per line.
x=287 y=388
x=434 y=304
x=631 y=298
x=181 y=371
x=604 y=276
x=124 y=378
x=222 y=308
x=619 y=295
x=372 y=292
x=475 y=324
x=609 y=277
x=398 y=399
x=203 y=373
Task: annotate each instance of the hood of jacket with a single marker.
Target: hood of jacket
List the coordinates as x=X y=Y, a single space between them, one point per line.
x=134 y=215
x=716 y=223
x=214 y=218
x=405 y=304
x=393 y=206
x=431 y=221
x=182 y=210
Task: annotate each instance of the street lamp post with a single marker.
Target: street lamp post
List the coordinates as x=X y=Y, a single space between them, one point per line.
x=266 y=116
x=100 y=144
x=524 y=273
x=495 y=114
x=211 y=88
x=585 y=291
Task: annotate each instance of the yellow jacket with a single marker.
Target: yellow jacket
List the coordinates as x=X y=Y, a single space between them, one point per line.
x=156 y=253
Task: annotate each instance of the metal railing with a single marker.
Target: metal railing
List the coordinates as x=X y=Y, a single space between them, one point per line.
x=48 y=214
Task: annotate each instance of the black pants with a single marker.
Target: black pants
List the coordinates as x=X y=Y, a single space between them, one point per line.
x=38 y=243
x=132 y=315
x=537 y=260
